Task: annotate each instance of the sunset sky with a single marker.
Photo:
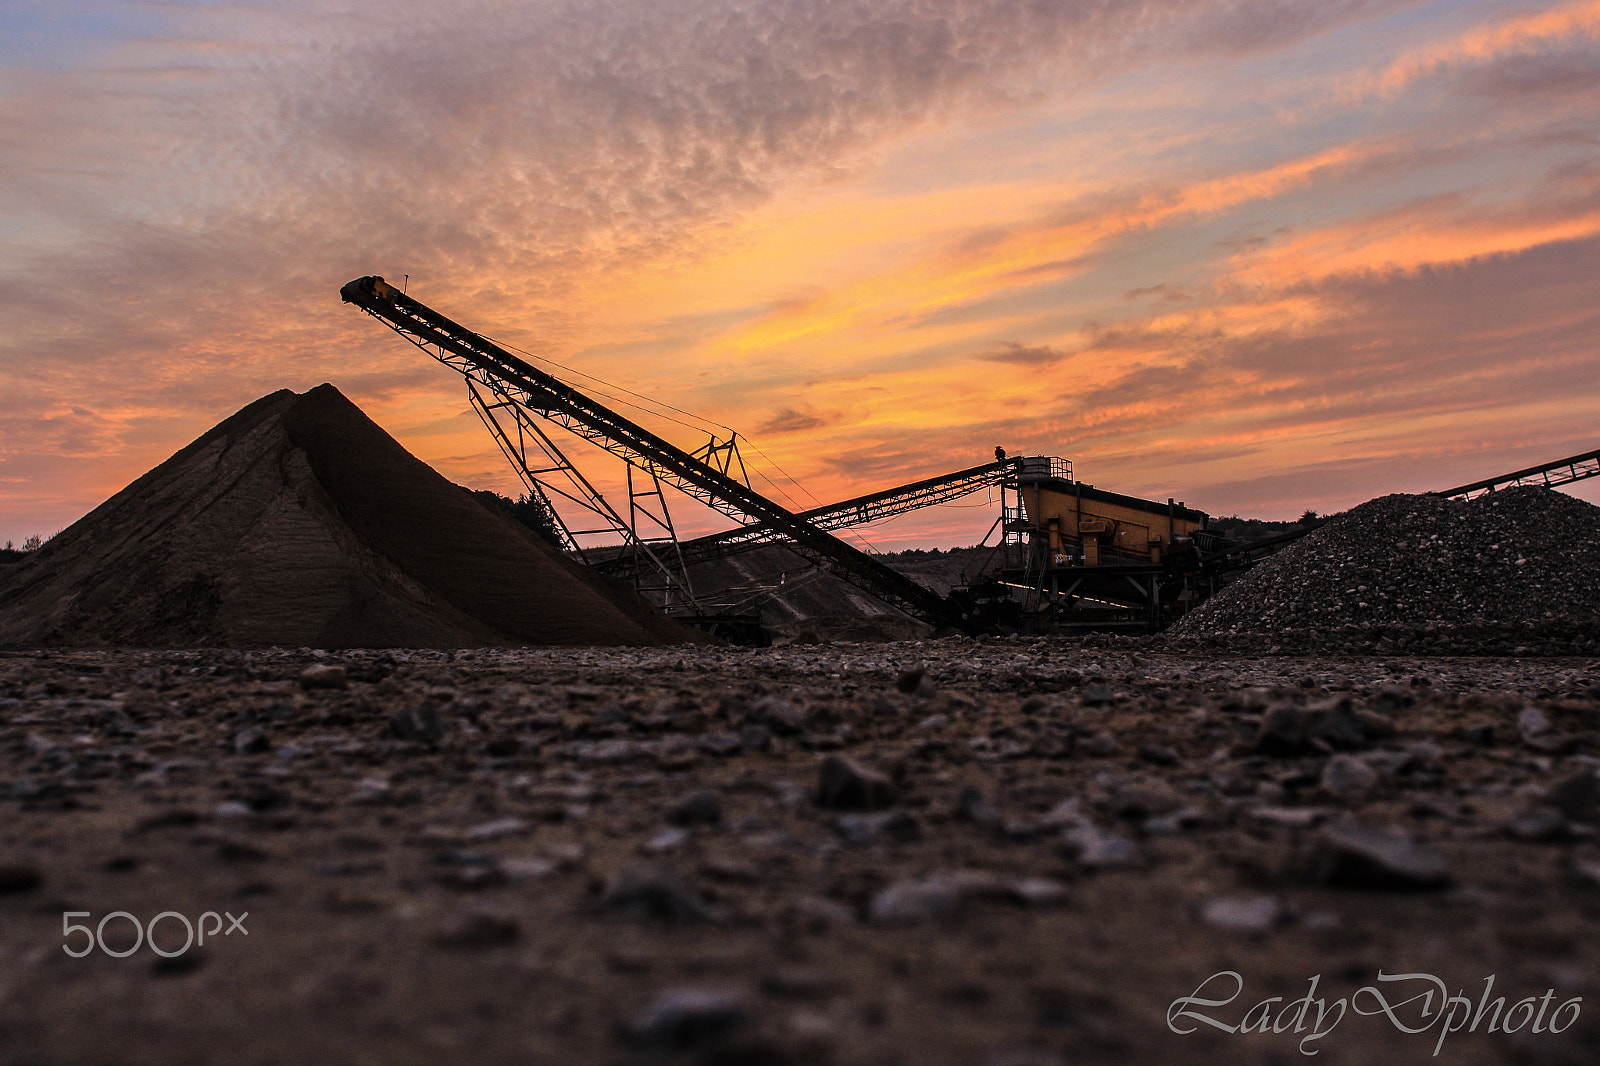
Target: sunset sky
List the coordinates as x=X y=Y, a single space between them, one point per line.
x=1258 y=255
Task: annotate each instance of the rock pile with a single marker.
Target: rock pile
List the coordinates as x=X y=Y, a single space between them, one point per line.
x=1512 y=573
x=299 y=522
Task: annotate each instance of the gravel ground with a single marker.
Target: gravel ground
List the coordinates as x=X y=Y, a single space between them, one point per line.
x=1003 y=852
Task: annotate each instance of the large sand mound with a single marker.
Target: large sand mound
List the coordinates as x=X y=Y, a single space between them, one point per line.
x=299 y=522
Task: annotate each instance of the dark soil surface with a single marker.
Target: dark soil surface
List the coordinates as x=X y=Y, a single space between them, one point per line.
x=1001 y=852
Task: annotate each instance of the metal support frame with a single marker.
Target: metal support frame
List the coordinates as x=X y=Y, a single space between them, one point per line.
x=537 y=477
x=676 y=590
x=540 y=394
x=846 y=513
x=516 y=452
x=723 y=456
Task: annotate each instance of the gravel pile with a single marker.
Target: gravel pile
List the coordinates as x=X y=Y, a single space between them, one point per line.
x=1513 y=573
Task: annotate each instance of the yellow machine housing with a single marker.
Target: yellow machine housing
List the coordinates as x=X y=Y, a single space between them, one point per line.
x=1086 y=526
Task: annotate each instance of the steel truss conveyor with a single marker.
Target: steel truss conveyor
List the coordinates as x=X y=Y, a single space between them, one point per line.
x=1560 y=472
x=527 y=395
x=854 y=512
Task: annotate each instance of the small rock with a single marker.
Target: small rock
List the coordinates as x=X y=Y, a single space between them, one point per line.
x=940 y=896
x=678 y=1019
x=1064 y=815
x=1282 y=731
x=1578 y=797
x=798 y=982
x=728 y=868
x=250 y=741
x=816 y=914
x=371 y=790
x=494 y=830
x=918 y=900
x=1355 y=855
x=521 y=870
x=17 y=877
x=780 y=716
x=1553 y=743
x=1038 y=891
x=843 y=784
x=669 y=839
x=469 y=869
x=323 y=676
x=613 y=715
x=721 y=744
x=1391 y=763
x=1097 y=694
x=1334 y=725
x=1348 y=779
x=420 y=725
x=700 y=807
x=1136 y=799
x=1374 y=725
x=869 y=828
x=1289 y=817
x=566 y=855
x=1158 y=754
x=1538 y=824
x=1532 y=723
x=1241 y=914
x=755 y=737
x=475 y=930
x=464 y=857
x=915 y=682
x=973 y=807
x=1101 y=746
x=642 y=892
x=1175 y=822
x=1093 y=847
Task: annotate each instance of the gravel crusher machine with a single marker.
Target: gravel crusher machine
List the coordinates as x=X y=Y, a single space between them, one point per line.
x=1069 y=554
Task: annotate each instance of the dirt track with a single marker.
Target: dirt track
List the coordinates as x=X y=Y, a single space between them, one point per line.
x=620 y=855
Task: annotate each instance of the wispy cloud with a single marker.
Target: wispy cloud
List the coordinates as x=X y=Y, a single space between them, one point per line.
x=1020 y=355
x=709 y=201
x=1515 y=37
x=788 y=420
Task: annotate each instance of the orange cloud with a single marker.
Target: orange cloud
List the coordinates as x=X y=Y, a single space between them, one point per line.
x=1422 y=235
x=1041 y=242
x=1580 y=20
x=691 y=200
